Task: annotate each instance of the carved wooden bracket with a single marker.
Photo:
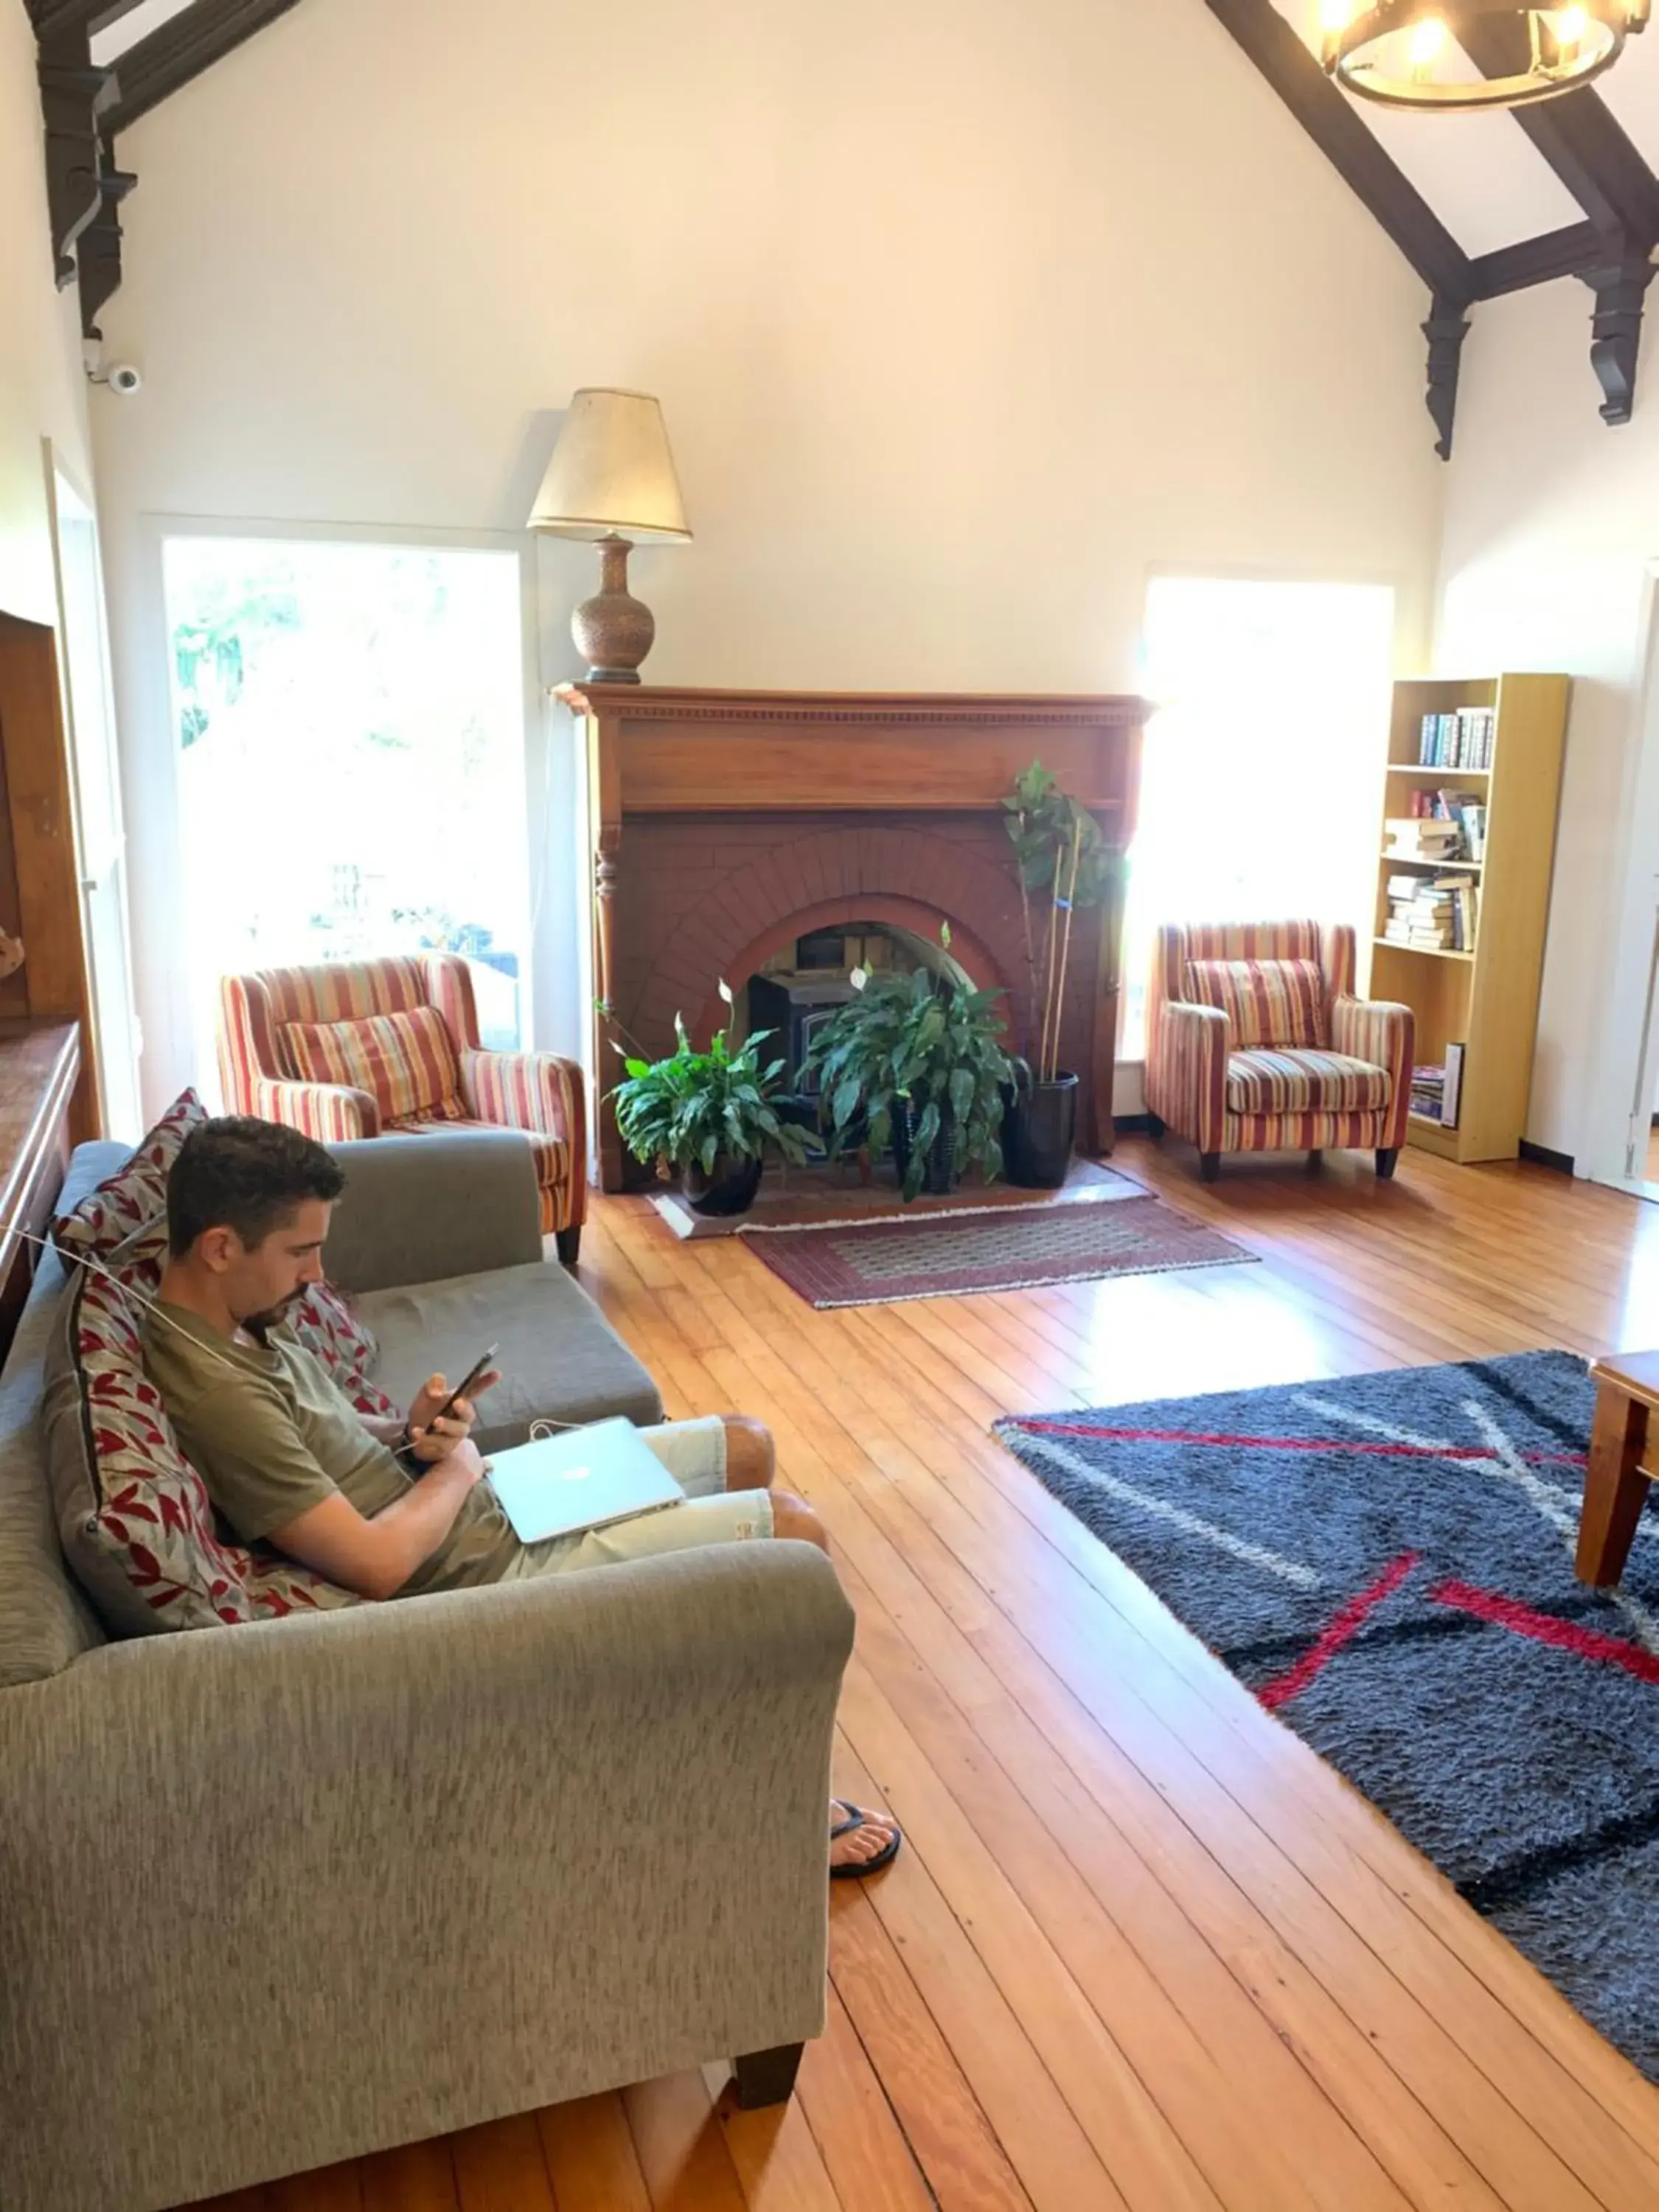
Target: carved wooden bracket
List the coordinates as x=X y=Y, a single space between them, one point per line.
x=1445 y=329
x=1619 y=284
x=72 y=93
x=98 y=254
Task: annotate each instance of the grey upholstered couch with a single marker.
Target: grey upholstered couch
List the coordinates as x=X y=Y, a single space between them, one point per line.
x=273 y=1896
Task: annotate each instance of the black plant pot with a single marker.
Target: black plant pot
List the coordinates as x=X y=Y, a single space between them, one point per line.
x=939 y=1175
x=729 y=1187
x=1041 y=1130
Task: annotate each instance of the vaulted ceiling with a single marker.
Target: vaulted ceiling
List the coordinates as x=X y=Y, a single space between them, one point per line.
x=103 y=64
x=1482 y=204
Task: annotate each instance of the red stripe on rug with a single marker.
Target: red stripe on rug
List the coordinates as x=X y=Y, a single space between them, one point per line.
x=1283 y=1444
x=1347 y=1626
x=1544 y=1628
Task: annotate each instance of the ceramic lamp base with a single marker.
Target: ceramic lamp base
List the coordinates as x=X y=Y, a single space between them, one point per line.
x=613 y=630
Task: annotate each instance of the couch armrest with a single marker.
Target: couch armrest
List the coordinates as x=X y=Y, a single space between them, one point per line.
x=332 y=1113
x=1187 y=1078
x=311 y=1886
x=1384 y=1034
x=421 y=1209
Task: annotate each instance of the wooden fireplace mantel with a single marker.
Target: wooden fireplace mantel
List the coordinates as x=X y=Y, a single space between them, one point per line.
x=841 y=801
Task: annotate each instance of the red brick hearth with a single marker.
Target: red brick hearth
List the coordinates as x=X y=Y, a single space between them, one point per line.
x=725 y=824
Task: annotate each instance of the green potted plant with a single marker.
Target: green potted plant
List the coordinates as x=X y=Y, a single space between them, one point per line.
x=914 y=1061
x=1064 y=867
x=709 y=1114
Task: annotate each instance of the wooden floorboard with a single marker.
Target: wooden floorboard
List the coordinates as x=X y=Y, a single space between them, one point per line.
x=1143 y=1951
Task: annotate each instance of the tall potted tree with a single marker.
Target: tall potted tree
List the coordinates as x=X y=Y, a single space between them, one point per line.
x=710 y=1114
x=1064 y=868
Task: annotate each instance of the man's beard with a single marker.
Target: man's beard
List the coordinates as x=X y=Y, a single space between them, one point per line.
x=259 y=1325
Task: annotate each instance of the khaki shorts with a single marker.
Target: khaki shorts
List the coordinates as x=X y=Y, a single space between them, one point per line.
x=693 y=1453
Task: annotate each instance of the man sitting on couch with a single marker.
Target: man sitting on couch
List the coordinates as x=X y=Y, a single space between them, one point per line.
x=288 y=1461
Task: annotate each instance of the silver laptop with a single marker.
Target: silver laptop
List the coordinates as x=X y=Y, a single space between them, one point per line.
x=580 y=1478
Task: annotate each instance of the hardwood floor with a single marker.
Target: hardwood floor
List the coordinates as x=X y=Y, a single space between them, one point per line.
x=1143 y=1950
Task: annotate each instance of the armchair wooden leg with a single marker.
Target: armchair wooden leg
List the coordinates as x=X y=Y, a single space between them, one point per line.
x=1209 y=1165
x=767 y=2077
x=569 y=1241
x=1385 y=1162
x=1616 y=1489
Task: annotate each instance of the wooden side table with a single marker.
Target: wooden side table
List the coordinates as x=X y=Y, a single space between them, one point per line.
x=1621 y=1464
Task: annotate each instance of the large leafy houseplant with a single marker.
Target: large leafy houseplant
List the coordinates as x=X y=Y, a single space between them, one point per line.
x=914 y=1061
x=706 y=1113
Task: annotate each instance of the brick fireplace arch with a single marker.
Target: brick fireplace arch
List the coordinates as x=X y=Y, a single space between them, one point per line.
x=724 y=825
x=909 y=914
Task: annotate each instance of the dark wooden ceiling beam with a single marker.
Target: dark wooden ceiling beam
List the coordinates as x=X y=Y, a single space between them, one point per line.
x=50 y=17
x=1577 y=135
x=1296 y=75
x=193 y=41
x=1569 y=251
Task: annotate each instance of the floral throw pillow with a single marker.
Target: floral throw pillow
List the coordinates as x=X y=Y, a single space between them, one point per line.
x=133 y=1515
x=347 y=1346
x=135 y=1194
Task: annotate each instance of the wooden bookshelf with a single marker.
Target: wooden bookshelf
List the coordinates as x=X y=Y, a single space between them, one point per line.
x=1484 y=998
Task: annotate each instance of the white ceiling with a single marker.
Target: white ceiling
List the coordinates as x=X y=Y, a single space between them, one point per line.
x=1481 y=174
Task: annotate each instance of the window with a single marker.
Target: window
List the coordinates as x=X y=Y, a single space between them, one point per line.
x=1261 y=780
x=349 y=721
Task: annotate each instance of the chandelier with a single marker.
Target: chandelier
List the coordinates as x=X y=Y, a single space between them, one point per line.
x=1409 y=54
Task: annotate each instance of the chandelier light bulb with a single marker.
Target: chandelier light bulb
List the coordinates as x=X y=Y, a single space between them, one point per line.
x=1427 y=41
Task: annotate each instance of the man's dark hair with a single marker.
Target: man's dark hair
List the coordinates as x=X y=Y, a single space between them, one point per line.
x=252 y=1176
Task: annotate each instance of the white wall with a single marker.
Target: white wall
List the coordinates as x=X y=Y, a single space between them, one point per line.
x=1550 y=523
x=964 y=315
x=42 y=390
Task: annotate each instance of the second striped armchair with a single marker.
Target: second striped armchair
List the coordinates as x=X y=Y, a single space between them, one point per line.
x=1256 y=1043
x=355 y=1049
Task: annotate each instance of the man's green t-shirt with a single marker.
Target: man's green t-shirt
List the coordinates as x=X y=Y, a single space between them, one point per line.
x=271 y=1435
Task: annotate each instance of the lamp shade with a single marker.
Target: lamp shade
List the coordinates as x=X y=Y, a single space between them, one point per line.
x=612 y=473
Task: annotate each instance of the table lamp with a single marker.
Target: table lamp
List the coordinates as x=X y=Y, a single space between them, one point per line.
x=612 y=480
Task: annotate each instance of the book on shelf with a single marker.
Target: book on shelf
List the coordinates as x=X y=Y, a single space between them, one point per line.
x=1452 y=1092
x=1462 y=739
x=1435 y=914
x=1437 y=1088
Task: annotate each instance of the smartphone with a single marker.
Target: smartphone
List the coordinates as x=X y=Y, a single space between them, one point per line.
x=464 y=1388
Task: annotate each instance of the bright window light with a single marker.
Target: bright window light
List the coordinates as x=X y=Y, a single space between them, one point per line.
x=349 y=721
x=1261 y=779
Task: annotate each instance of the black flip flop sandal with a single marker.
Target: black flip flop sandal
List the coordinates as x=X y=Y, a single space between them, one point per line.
x=856 y=1869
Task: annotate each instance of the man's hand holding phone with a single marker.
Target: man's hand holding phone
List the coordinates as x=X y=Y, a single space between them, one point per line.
x=440 y=1420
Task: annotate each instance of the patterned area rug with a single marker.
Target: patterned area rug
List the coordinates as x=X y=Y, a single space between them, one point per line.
x=944 y=1255
x=1386 y=1562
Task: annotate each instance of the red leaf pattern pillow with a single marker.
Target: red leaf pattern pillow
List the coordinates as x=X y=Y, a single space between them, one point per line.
x=158 y=1562
x=135 y=1195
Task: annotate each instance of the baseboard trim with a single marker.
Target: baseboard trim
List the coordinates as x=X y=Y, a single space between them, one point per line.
x=1542 y=1157
x=1133 y=1125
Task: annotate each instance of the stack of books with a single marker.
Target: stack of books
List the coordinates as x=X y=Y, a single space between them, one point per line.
x=1463 y=739
x=1438 y=914
x=1424 y=919
x=1436 y=1090
x=1418 y=838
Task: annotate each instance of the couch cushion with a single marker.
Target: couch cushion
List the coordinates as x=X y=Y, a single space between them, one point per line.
x=560 y=1359
x=1304 y=1082
x=135 y=1194
x=1270 y=1002
x=550 y=1154
x=405 y=1061
x=133 y=1515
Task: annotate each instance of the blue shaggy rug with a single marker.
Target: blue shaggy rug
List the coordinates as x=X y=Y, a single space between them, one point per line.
x=1386 y=1562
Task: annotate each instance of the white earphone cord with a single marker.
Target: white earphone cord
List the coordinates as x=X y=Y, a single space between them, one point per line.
x=540 y=1429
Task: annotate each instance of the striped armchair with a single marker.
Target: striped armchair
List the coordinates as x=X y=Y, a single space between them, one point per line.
x=1256 y=1043
x=317 y=1048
